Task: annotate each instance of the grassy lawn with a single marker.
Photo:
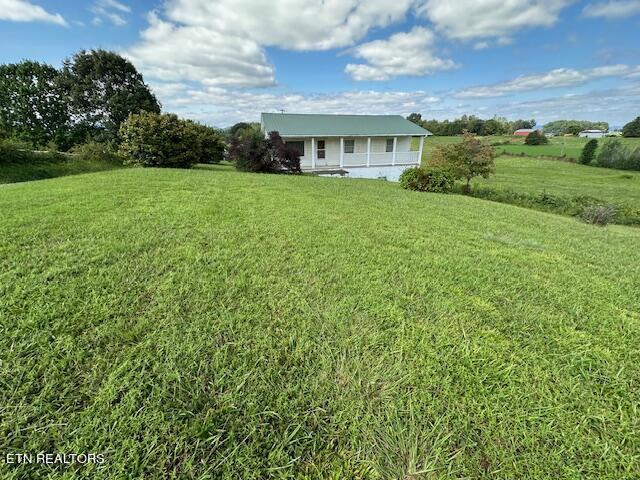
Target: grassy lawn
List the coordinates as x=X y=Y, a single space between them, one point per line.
x=558 y=146
x=214 y=324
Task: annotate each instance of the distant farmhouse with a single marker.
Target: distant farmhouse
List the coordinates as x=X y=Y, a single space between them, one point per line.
x=591 y=133
x=368 y=146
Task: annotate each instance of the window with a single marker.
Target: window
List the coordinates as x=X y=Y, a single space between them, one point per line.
x=349 y=146
x=321 y=149
x=297 y=146
x=389 y=145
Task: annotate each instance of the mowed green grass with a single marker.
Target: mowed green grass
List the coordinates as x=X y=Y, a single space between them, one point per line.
x=214 y=324
x=571 y=147
x=532 y=175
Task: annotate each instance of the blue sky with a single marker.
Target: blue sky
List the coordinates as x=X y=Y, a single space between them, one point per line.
x=221 y=61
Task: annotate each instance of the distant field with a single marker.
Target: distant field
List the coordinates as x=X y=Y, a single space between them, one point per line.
x=533 y=175
x=562 y=187
x=558 y=146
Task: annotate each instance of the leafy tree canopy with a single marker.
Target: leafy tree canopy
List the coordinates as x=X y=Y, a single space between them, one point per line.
x=241 y=128
x=32 y=103
x=415 y=118
x=104 y=89
x=632 y=129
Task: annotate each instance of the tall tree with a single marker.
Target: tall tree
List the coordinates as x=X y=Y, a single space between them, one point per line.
x=588 y=152
x=32 y=104
x=632 y=129
x=415 y=118
x=104 y=89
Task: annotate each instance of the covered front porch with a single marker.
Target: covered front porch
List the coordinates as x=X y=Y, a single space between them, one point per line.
x=343 y=152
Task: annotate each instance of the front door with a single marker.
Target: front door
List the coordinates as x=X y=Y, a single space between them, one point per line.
x=321 y=154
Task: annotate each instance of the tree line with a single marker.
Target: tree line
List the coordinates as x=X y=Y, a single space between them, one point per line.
x=98 y=97
x=471 y=124
x=502 y=126
x=574 y=127
x=88 y=98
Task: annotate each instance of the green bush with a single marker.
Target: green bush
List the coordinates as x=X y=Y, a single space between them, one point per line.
x=95 y=151
x=632 y=159
x=614 y=154
x=159 y=140
x=536 y=138
x=598 y=214
x=588 y=152
x=427 y=179
x=209 y=143
x=13 y=150
x=632 y=129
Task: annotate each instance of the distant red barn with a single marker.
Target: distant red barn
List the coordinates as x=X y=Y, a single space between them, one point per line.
x=523 y=132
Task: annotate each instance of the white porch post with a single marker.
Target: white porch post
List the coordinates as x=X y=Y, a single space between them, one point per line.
x=420 y=150
x=395 y=147
x=341 y=152
x=313 y=153
x=368 y=151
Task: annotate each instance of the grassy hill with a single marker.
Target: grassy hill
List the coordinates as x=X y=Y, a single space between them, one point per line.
x=570 y=147
x=562 y=187
x=214 y=324
x=563 y=178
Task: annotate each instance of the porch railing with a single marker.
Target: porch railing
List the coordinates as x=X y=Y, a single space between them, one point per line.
x=380 y=158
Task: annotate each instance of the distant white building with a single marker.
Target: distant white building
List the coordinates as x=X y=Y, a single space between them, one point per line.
x=591 y=134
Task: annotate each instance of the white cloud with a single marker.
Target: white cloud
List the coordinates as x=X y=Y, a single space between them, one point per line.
x=500 y=42
x=222 y=107
x=223 y=43
x=24 y=11
x=617 y=106
x=409 y=53
x=612 y=9
x=111 y=10
x=291 y=24
x=196 y=53
x=561 y=77
x=465 y=20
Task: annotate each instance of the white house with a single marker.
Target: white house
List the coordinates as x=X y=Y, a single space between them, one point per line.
x=591 y=133
x=368 y=146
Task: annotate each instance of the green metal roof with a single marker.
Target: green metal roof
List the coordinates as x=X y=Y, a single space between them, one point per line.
x=309 y=125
